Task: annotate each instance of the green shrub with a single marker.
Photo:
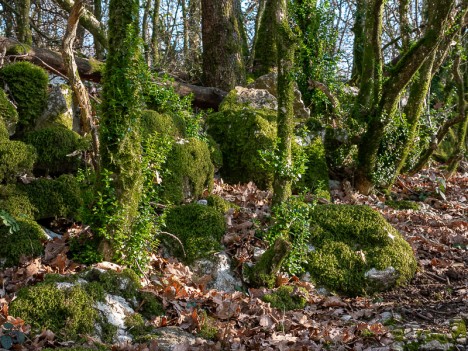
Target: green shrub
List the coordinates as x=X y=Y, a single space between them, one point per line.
x=43 y=198
x=66 y=311
x=350 y=240
x=199 y=228
x=189 y=171
x=167 y=124
x=28 y=86
x=53 y=145
x=26 y=241
x=8 y=114
x=16 y=158
x=287 y=298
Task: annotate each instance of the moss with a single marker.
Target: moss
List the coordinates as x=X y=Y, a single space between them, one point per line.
x=28 y=86
x=216 y=154
x=16 y=158
x=96 y=66
x=402 y=205
x=287 y=298
x=54 y=145
x=221 y=204
x=8 y=114
x=199 y=228
x=43 y=198
x=349 y=241
x=167 y=124
x=316 y=177
x=208 y=329
x=125 y=283
x=189 y=171
x=18 y=49
x=136 y=325
x=4 y=134
x=241 y=132
x=150 y=305
x=27 y=242
x=458 y=329
x=67 y=311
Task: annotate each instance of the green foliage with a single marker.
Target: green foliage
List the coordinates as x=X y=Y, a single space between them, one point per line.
x=287 y=298
x=16 y=158
x=125 y=283
x=7 y=113
x=67 y=311
x=43 y=198
x=11 y=336
x=189 y=171
x=4 y=134
x=291 y=221
x=350 y=240
x=28 y=86
x=162 y=97
x=199 y=228
x=402 y=204
x=162 y=123
x=18 y=49
x=9 y=222
x=136 y=325
x=221 y=204
x=26 y=241
x=54 y=146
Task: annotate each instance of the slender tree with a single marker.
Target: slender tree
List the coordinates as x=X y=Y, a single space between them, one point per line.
x=24 y=30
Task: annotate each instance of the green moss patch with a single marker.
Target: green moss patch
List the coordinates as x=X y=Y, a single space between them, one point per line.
x=402 y=205
x=189 y=171
x=66 y=311
x=150 y=305
x=16 y=158
x=8 y=114
x=27 y=242
x=162 y=123
x=54 y=146
x=351 y=240
x=125 y=283
x=199 y=228
x=42 y=198
x=28 y=86
x=221 y=204
x=18 y=49
x=287 y=298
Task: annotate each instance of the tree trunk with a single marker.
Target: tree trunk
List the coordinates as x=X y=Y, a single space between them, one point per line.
x=266 y=54
x=223 y=63
x=405 y=28
x=155 y=34
x=24 y=30
x=286 y=47
x=258 y=18
x=145 y=31
x=193 y=62
x=98 y=47
x=359 y=40
x=80 y=94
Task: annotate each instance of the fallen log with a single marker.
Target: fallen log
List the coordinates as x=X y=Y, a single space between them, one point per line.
x=91 y=70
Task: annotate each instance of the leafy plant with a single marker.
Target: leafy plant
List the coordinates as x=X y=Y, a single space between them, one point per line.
x=11 y=335
x=9 y=222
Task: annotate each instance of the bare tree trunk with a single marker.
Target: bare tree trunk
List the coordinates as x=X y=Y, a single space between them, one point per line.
x=24 y=31
x=98 y=47
x=80 y=94
x=155 y=34
x=145 y=31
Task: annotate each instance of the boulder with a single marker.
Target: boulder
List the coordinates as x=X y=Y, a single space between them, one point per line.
x=268 y=82
x=256 y=98
x=59 y=110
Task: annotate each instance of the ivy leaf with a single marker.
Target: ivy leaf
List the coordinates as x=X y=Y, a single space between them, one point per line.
x=6 y=342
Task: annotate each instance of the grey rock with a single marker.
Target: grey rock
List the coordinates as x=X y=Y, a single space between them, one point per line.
x=334 y=184
x=219 y=268
x=59 y=107
x=436 y=345
x=382 y=280
x=50 y=235
x=202 y=202
x=171 y=338
x=114 y=309
x=258 y=252
x=269 y=82
x=256 y=98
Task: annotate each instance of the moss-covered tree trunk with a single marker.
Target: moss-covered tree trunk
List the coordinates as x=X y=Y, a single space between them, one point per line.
x=258 y=18
x=24 y=30
x=120 y=139
x=285 y=42
x=265 y=50
x=359 y=40
x=98 y=47
x=155 y=34
x=223 y=61
x=193 y=61
x=376 y=103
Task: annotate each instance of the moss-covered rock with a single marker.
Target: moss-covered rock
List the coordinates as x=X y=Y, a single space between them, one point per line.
x=18 y=49
x=125 y=283
x=4 y=134
x=163 y=123
x=16 y=158
x=402 y=204
x=221 y=204
x=189 y=171
x=42 y=198
x=60 y=109
x=54 y=146
x=67 y=311
x=8 y=114
x=28 y=86
x=26 y=241
x=352 y=240
x=241 y=132
x=287 y=298
x=199 y=228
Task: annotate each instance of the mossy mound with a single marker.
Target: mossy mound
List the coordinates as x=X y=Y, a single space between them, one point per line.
x=67 y=311
x=4 y=134
x=221 y=204
x=287 y=298
x=54 y=146
x=28 y=86
x=241 y=132
x=199 y=228
x=316 y=177
x=189 y=171
x=162 y=123
x=42 y=198
x=8 y=114
x=402 y=204
x=351 y=240
x=16 y=158
x=125 y=283
x=26 y=241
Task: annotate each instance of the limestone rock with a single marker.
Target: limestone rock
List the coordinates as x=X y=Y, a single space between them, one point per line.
x=114 y=310
x=59 y=109
x=171 y=338
x=383 y=279
x=268 y=82
x=256 y=98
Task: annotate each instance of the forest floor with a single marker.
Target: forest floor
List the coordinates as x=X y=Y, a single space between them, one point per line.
x=427 y=314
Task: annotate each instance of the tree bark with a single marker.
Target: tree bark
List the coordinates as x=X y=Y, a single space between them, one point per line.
x=24 y=31
x=223 y=62
x=155 y=34
x=266 y=52
x=80 y=94
x=98 y=47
